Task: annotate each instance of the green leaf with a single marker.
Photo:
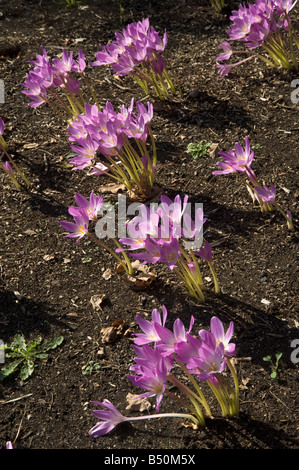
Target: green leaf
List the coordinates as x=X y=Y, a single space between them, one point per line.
x=41 y=356
x=267 y=358
x=278 y=356
x=273 y=375
x=27 y=370
x=52 y=344
x=19 y=342
x=198 y=150
x=6 y=371
x=34 y=344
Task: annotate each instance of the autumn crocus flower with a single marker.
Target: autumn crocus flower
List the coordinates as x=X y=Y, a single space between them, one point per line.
x=92 y=207
x=217 y=330
x=239 y=160
x=149 y=334
x=199 y=358
x=266 y=194
x=262 y=26
x=169 y=339
x=109 y=419
x=152 y=380
x=210 y=360
x=79 y=228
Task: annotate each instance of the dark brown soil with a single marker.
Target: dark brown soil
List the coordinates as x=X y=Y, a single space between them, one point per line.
x=47 y=280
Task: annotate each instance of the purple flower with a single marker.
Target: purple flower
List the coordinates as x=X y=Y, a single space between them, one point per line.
x=92 y=207
x=170 y=252
x=1 y=126
x=79 y=227
x=220 y=336
x=149 y=334
x=228 y=51
x=153 y=254
x=205 y=252
x=266 y=194
x=153 y=380
x=8 y=167
x=169 y=339
x=109 y=419
x=210 y=360
x=238 y=159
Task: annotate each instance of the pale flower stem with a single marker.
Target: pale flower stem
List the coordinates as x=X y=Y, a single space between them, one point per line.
x=102 y=245
x=216 y=284
x=13 y=179
x=236 y=383
x=165 y=415
x=16 y=167
x=190 y=394
x=197 y=388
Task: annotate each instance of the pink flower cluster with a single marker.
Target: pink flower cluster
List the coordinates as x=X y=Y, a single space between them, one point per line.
x=259 y=25
x=203 y=355
x=158 y=230
x=239 y=160
x=158 y=348
x=49 y=76
x=139 y=43
x=105 y=132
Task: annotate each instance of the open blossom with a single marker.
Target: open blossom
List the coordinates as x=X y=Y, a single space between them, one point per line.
x=210 y=359
x=204 y=356
x=149 y=334
x=217 y=330
x=240 y=158
x=266 y=194
x=92 y=207
x=261 y=25
x=153 y=380
x=169 y=339
x=109 y=419
x=227 y=51
x=78 y=228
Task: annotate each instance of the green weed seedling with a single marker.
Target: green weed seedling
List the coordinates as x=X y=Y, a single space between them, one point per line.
x=198 y=149
x=274 y=365
x=24 y=355
x=92 y=367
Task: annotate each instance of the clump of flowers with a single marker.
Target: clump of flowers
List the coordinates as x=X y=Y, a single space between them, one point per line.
x=86 y=212
x=160 y=352
x=267 y=32
x=57 y=82
x=100 y=139
x=218 y=5
x=167 y=234
x=102 y=142
x=239 y=160
x=164 y=233
x=138 y=52
x=8 y=165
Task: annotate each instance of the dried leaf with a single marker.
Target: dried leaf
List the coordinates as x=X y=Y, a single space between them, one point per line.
x=213 y=150
x=107 y=274
x=112 y=188
x=48 y=257
x=96 y=301
x=109 y=334
x=30 y=146
x=137 y=404
x=190 y=425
